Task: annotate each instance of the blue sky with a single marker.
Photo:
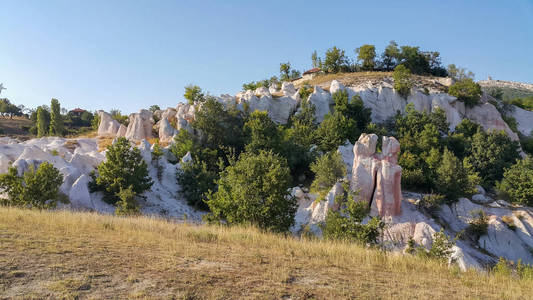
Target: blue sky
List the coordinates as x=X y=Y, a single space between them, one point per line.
x=132 y=54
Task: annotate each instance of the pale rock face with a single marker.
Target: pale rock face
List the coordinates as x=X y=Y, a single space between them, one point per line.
x=108 y=126
x=140 y=126
x=489 y=118
x=187 y=158
x=169 y=114
x=272 y=89
x=377 y=177
x=279 y=109
x=321 y=100
x=423 y=234
x=288 y=89
x=524 y=118
x=346 y=152
x=336 y=86
x=146 y=151
x=262 y=92
x=503 y=242
x=444 y=102
x=383 y=100
x=122 y=131
x=481 y=199
x=4 y=163
x=79 y=195
x=166 y=131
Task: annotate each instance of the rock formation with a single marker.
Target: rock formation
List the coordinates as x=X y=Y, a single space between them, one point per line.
x=377 y=177
x=108 y=126
x=140 y=126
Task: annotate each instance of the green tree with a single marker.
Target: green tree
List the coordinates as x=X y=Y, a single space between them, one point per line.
x=467 y=91
x=367 y=55
x=333 y=131
x=328 y=169
x=414 y=60
x=517 y=182
x=127 y=206
x=317 y=61
x=335 y=60
x=352 y=110
x=36 y=188
x=453 y=179
x=183 y=143
x=390 y=56
x=123 y=167
x=42 y=124
x=284 y=71
x=56 y=121
x=154 y=108
x=459 y=74
x=402 y=80
x=262 y=133
x=193 y=93
x=254 y=190
x=491 y=153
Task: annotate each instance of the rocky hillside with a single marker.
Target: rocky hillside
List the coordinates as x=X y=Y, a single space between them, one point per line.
x=376 y=175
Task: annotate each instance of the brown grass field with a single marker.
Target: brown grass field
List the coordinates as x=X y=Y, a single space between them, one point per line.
x=61 y=254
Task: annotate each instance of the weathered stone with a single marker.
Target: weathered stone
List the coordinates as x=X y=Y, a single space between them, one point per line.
x=321 y=100
x=166 y=131
x=108 y=126
x=288 y=89
x=140 y=126
x=489 y=118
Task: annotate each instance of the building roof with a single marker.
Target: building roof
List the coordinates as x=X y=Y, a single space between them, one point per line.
x=78 y=110
x=313 y=70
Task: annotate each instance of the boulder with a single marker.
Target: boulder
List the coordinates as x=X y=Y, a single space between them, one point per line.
x=321 y=100
x=108 y=126
x=140 y=126
x=481 y=199
x=166 y=131
x=524 y=118
x=262 y=92
x=79 y=195
x=122 y=131
x=500 y=241
x=288 y=89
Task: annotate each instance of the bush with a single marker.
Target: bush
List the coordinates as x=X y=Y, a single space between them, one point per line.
x=254 y=190
x=328 y=169
x=123 y=168
x=127 y=206
x=402 y=80
x=490 y=154
x=346 y=223
x=358 y=115
x=183 y=143
x=333 y=131
x=36 y=188
x=431 y=203
x=517 y=182
x=453 y=179
x=193 y=93
x=467 y=91
x=478 y=225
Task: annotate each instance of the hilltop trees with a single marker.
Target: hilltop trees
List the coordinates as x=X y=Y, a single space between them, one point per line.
x=335 y=60
x=8 y=108
x=391 y=56
x=43 y=121
x=402 y=80
x=366 y=54
x=287 y=73
x=193 y=93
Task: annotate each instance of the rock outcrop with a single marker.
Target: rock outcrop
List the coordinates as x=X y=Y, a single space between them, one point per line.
x=377 y=177
x=486 y=115
x=140 y=126
x=108 y=126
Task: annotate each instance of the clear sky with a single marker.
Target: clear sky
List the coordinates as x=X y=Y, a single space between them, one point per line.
x=104 y=54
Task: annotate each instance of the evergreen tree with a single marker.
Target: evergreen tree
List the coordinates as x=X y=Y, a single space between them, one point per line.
x=42 y=126
x=56 y=120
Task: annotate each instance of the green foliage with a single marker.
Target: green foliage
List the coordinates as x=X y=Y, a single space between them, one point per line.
x=367 y=54
x=157 y=151
x=453 y=178
x=36 y=188
x=432 y=203
x=355 y=111
x=478 y=225
x=524 y=102
x=335 y=60
x=123 y=167
x=193 y=93
x=467 y=91
x=127 y=206
x=95 y=122
x=333 y=131
x=441 y=248
x=262 y=133
x=198 y=177
x=328 y=169
x=317 y=61
x=490 y=154
x=117 y=115
x=43 y=118
x=56 y=121
x=414 y=60
x=154 y=108
x=402 y=80
x=517 y=182
x=219 y=127
x=346 y=223
x=8 y=108
x=254 y=190
x=183 y=143
x=459 y=74
x=286 y=73
x=390 y=56
x=305 y=91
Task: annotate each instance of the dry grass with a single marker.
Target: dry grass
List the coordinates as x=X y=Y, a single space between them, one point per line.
x=85 y=255
x=104 y=142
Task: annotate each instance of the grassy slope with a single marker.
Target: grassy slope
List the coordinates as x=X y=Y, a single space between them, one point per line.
x=63 y=254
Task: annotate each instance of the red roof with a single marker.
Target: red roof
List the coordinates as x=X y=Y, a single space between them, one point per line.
x=78 y=110
x=313 y=70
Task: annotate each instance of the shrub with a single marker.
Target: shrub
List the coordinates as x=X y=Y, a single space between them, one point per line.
x=346 y=223
x=490 y=154
x=402 y=80
x=262 y=133
x=478 y=225
x=355 y=111
x=453 y=179
x=254 y=190
x=328 y=169
x=467 y=91
x=304 y=92
x=123 y=168
x=183 y=143
x=431 y=202
x=441 y=247
x=126 y=206
x=333 y=131
x=36 y=188
x=517 y=182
